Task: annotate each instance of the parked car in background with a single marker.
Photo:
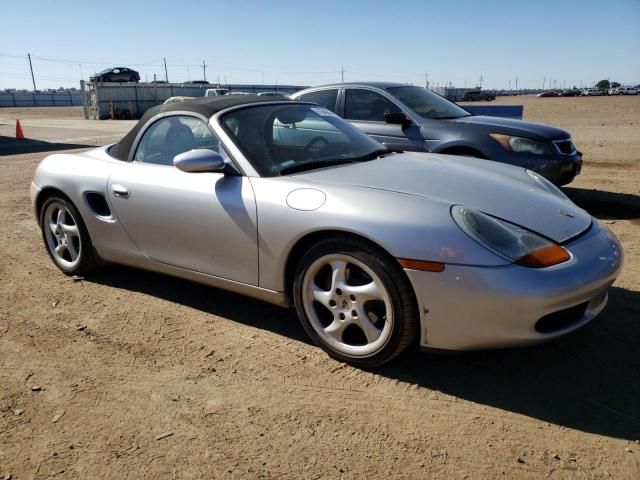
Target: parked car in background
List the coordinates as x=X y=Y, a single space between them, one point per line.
x=614 y=91
x=571 y=92
x=406 y=117
x=628 y=90
x=478 y=95
x=548 y=93
x=273 y=94
x=594 y=92
x=116 y=74
x=286 y=202
x=176 y=99
x=216 y=92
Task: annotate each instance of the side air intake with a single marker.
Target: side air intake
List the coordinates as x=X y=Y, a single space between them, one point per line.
x=98 y=204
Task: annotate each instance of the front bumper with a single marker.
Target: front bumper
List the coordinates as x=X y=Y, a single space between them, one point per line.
x=560 y=171
x=469 y=307
x=34 y=191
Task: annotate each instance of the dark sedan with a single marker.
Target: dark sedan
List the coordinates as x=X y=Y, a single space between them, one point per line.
x=478 y=95
x=116 y=74
x=406 y=117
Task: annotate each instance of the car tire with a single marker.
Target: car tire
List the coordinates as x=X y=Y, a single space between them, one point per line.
x=355 y=301
x=66 y=237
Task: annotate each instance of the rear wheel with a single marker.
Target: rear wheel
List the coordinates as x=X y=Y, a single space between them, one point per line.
x=355 y=302
x=66 y=237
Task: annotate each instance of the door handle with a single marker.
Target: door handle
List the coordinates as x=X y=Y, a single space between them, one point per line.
x=119 y=190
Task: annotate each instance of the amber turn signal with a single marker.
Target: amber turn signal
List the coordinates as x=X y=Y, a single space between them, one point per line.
x=501 y=139
x=421 y=265
x=544 y=257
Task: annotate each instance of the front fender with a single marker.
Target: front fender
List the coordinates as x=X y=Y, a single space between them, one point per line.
x=406 y=226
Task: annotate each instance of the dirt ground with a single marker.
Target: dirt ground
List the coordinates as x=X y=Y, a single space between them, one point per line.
x=130 y=374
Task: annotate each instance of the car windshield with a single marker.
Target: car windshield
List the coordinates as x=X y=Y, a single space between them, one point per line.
x=282 y=139
x=427 y=104
x=106 y=70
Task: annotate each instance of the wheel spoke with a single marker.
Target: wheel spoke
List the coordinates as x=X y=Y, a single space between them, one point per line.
x=72 y=250
x=60 y=251
x=338 y=274
x=320 y=295
x=365 y=293
x=61 y=217
x=70 y=229
x=368 y=328
x=53 y=227
x=336 y=329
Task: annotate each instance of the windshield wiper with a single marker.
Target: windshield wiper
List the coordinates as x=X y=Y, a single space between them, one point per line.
x=301 y=167
x=452 y=118
x=310 y=165
x=381 y=152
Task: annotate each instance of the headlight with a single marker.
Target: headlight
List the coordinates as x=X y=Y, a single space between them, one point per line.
x=547 y=185
x=521 y=144
x=514 y=243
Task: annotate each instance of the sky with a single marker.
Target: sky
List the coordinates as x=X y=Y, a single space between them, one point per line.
x=308 y=42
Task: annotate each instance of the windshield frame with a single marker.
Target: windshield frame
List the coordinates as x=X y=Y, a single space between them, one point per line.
x=248 y=165
x=390 y=91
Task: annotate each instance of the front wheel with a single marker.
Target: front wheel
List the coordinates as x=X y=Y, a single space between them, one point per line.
x=66 y=237
x=355 y=302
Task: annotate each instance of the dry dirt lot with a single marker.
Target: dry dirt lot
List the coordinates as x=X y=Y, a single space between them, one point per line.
x=130 y=374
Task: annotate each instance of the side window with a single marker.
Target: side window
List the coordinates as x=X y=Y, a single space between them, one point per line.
x=367 y=105
x=171 y=136
x=324 y=98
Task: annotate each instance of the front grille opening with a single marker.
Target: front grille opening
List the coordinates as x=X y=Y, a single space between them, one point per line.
x=562 y=319
x=566 y=147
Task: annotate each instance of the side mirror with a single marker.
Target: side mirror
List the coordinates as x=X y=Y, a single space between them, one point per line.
x=199 y=160
x=397 y=118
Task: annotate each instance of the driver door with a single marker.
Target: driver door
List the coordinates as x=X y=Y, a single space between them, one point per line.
x=366 y=109
x=204 y=222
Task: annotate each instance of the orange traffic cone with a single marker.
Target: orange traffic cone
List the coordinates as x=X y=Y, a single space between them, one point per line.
x=19 y=132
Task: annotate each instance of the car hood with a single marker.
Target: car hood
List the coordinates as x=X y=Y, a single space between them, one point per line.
x=512 y=126
x=497 y=189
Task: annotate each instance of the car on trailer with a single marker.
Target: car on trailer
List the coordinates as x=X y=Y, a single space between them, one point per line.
x=116 y=74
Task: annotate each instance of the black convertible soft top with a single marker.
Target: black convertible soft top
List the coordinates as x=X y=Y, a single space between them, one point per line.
x=206 y=106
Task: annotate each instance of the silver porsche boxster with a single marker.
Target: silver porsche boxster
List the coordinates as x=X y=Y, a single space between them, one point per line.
x=286 y=202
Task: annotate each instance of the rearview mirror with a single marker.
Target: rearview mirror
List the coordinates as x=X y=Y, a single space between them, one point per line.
x=397 y=118
x=199 y=160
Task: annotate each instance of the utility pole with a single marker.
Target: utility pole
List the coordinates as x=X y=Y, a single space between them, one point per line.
x=426 y=81
x=204 y=70
x=544 y=79
x=516 y=84
x=481 y=79
x=32 y=77
x=166 y=75
x=341 y=74
x=509 y=84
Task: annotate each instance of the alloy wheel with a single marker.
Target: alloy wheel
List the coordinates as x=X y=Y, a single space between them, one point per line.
x=62 y=235
x=347 y=305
